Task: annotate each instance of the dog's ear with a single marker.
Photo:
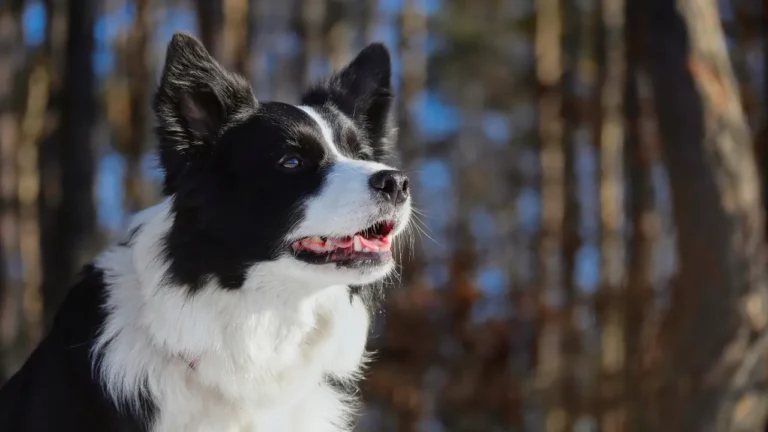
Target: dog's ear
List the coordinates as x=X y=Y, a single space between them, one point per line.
x=195 y=100
x=363 y=91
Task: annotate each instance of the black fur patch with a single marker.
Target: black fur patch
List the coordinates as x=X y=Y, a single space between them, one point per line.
x=58 y=378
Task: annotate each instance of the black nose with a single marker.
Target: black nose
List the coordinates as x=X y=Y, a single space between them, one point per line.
x=391 y=184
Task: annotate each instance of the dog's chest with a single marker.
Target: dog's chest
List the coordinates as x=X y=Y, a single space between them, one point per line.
x=276 y=382
x=319 y=409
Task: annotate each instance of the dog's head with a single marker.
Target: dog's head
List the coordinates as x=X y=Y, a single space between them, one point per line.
x=303 y=190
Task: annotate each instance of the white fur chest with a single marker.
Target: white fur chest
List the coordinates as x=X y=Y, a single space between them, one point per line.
x=254 y=359
x=276 y=382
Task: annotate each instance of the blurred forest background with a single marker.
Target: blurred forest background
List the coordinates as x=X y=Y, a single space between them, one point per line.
x=589 y=176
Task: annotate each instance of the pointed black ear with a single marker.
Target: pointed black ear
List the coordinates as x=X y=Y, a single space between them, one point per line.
x=196 y=99
x=363 y=91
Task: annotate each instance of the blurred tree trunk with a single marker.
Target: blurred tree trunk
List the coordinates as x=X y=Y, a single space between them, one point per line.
x=10 y=67
x=549 y=70
x=311 y=17
x=609 y=137
x=713 y=339
x=261 y=26
x=284 y=18
x=341 y=33
x=409 y=413
x=28 y=187
x=747 y=29
x=67 y=237
x=370 y=17
x=238 y=35
x=39 y=117
x=210 y=19
x=465 y=400
x=644 y=226
x=136 y=135
x=745 y=34
x=413 y=29
x=571 y=241
x=761 y=143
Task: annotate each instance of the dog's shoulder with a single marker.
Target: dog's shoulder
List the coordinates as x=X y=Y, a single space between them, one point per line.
x=58 y=374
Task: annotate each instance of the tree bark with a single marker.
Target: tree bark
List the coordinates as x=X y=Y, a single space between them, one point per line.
x=571 y=41
x=10 y=297
x=309 y=25
x=137 y=194
x=644 y=226
x=237 y=35
x=609 y=137
x=340 y=33
x=713 y=338
x=210 y=19
x=68 y=235
x=761 y=143
x=548 y=341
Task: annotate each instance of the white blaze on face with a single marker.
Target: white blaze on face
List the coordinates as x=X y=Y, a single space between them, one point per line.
x=345 y=202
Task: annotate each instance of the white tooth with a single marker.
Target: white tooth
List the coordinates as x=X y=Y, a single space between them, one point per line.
x=358 y=245
x=365 y=249
x=316 y=239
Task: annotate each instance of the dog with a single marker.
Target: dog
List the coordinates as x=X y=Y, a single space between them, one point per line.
x=236 y=304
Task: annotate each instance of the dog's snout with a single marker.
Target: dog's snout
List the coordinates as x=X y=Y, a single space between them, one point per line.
x=391 y=184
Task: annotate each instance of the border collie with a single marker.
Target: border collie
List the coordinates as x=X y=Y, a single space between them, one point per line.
x=234 y=304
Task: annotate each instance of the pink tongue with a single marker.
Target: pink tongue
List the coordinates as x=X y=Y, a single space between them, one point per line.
x=376 y=244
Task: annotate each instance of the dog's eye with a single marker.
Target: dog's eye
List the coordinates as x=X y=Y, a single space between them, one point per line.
x=291 y=162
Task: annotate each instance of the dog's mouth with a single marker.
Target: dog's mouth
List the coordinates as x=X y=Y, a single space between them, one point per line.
x=371 y=245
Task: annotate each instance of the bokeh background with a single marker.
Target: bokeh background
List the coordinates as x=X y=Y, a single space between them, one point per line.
x=588 y=178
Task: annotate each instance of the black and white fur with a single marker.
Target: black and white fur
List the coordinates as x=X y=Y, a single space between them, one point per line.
x=202 y=318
